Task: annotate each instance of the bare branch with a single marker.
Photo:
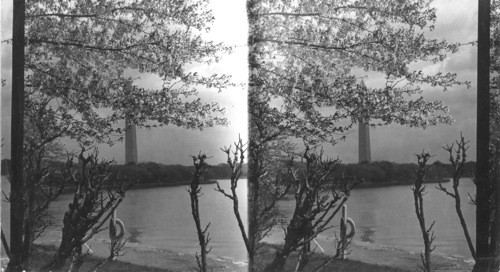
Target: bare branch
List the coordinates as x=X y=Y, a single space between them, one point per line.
x=418 y=192
x=458 y=158
x=194 y=192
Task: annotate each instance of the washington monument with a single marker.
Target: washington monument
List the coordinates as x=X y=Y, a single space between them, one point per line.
x=364 y=143
x=130 y=143
x=364 y=139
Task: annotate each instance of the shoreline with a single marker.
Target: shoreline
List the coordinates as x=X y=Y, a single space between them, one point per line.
x=362 y=256
x=160 y=185
x=361 y=185
x=380 y=254
x=136 y=257
x=371 y=184
x=139 y=186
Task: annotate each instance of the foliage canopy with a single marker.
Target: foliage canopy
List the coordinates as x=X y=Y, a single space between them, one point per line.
x=308 y=58
x=81 y=56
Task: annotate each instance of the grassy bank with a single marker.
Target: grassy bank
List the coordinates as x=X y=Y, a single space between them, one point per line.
x=362 y=257
x=265 y=257
x=365 y=257
x=43 y=253
x=136 y=259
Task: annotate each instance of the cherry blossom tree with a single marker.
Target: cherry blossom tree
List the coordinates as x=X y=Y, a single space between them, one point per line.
x=307 y=59
x=308 y=55
x=85 y=57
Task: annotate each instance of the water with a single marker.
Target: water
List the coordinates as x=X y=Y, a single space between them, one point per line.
x=386 y=216
x=161 y=217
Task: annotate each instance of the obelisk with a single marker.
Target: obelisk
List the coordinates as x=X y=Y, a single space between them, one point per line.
x=364 y=143
x=130 y=143
x=364 y=138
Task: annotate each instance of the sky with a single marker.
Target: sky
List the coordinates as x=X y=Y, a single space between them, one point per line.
x=456 y=22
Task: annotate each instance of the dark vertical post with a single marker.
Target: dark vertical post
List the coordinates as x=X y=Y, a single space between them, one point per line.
x=483 y=113
x=17 y=134
x=343 y=231
x=497 y=173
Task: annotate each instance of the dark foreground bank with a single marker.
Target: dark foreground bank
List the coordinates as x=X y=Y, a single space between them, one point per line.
x=134 y=260
x=366 y=257
x=362 y=257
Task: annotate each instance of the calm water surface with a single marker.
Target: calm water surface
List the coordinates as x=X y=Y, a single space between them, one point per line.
x=386 y=216
x=161 y=217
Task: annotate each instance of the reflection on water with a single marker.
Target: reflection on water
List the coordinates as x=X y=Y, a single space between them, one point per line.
x=134 y=235
x=367 y=235
x=366 y=231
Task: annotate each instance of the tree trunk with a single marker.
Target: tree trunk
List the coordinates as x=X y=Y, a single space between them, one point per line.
x=462 y=220
x=278 y=263
x=194 y=193
x=63 y=253
x=496 y=180
x=305 y=254
x=29 y=224
x=251 y=257
x=292 y=238
x=496 y=174
x=77 y=260
x=418 y=192
x=253 y=196
x=483 y=207
x=253 y=203
x=426 y=260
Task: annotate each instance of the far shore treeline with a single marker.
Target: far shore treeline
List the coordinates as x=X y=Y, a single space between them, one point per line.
x=383 y=172
x=150 y=174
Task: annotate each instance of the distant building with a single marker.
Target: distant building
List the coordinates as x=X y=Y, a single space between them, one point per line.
x=130 y=143
x=365 y=154
x=364 y=143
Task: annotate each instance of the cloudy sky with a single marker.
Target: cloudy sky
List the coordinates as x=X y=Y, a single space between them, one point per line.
x=456 y=22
